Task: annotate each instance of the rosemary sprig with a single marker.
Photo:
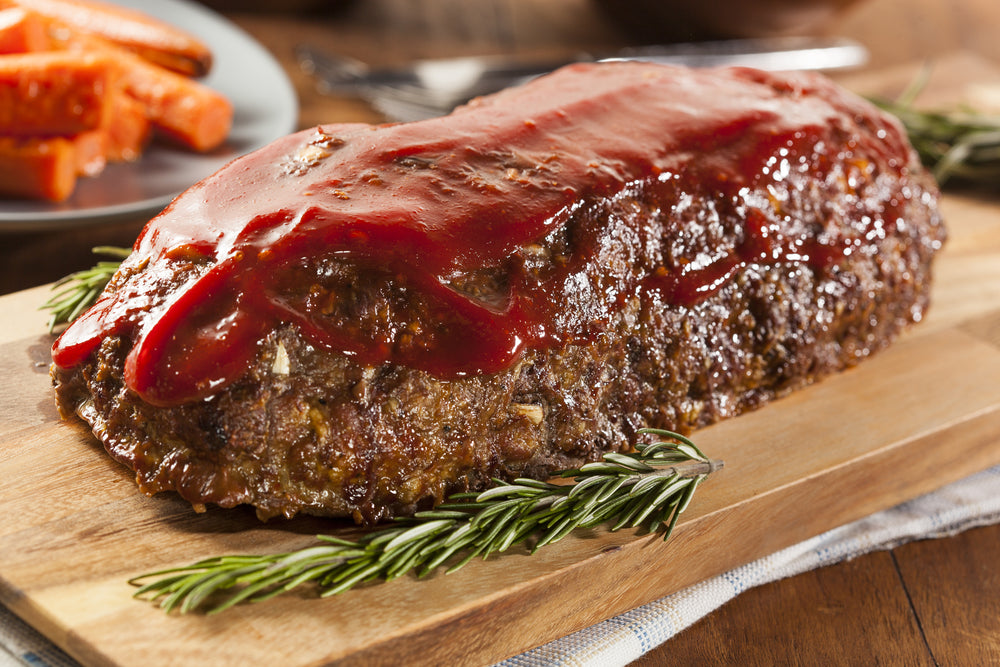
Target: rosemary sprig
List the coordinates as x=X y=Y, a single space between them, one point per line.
x=78 y=291
x=958 y=143
x=647 y=489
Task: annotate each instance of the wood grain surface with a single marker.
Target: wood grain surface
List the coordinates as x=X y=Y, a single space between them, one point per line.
x=921 y=414
x=75 y=528
x=935 y=602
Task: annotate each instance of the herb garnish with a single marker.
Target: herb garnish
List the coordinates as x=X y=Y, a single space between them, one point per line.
x=957 y=143
x=78 y=291
x=647 y=489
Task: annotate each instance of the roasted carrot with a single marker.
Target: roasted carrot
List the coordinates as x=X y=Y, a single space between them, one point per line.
x=47 y=167
x=122 y=140
x=180 y=108
x=71 y=100
x=22 y=31
x=37 y=168
x=55 y=93
x=90 y=150
x=149 y=37
x=128 y=132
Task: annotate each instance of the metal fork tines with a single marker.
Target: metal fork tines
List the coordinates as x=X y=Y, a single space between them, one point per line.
x=422 y=90
x=427 y=88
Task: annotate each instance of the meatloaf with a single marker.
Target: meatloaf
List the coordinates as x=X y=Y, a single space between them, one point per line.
x=358 y=320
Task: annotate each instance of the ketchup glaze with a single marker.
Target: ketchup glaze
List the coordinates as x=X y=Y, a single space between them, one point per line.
x=415 y=205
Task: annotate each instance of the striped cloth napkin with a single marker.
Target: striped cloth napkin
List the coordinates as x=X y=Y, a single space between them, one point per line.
x=974 y=501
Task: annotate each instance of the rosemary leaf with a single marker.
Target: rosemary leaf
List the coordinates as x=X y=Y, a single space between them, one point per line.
x=584 y=485
x=649 y=488
x=612 y=487
x=643 y=485
x=78 y=291
x=415 y=533
x=955 y=144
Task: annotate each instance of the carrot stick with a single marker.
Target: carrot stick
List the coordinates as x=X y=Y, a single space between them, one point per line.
x=151 y=38
x=180 y=108
x=37 y=168
x=21 y=31
x=48 y=167
x=90 y=151
x=129 y=132
x=121 y=141
x=55 y=93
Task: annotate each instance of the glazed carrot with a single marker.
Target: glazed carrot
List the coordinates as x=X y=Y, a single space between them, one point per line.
x=129 y=131
x=21 y=31
x=55 y=93
x=47 y=167
x=151 y=38
x=121 y=141
x=180 y=108
x=90 y=151
x=37 y=168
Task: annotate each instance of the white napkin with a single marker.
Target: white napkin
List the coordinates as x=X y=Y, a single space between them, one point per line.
x=974 y=501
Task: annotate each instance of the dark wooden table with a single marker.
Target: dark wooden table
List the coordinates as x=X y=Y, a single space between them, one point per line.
x=931 y=602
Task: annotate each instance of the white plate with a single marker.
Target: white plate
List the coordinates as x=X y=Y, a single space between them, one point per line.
x=266 y=107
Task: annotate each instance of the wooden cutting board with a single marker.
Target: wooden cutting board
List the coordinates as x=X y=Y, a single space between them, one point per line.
x=924 y=413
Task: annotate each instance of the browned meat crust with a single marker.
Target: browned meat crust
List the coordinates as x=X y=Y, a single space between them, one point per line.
x=310 y=430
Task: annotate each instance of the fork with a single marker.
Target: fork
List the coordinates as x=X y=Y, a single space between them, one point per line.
x=422 y=90
x=428 y=88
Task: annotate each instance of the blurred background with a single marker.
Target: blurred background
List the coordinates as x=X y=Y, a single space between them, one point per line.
x=382 y=32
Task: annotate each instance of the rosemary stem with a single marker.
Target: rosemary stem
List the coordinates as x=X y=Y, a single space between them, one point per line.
x=647 y=489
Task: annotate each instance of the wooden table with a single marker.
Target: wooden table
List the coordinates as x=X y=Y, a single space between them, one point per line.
x=933 y=602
